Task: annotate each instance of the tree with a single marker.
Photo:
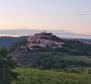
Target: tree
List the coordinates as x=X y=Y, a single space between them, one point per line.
x=6 y=66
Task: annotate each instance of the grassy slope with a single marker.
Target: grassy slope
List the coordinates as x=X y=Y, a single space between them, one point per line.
x=36 y=76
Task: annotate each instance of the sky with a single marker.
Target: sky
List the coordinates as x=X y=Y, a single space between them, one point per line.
x=69 y=15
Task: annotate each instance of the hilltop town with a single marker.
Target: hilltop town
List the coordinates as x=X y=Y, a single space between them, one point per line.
x=44 y=40
x=48 y=50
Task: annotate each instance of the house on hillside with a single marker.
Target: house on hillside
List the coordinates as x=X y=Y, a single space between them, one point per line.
x=43 y=40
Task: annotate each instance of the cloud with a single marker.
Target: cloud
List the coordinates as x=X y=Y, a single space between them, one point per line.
x=85 y=14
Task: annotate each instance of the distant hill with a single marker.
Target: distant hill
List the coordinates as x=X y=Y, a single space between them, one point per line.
x=7 y=41
x=60 y=33
x=46 y=50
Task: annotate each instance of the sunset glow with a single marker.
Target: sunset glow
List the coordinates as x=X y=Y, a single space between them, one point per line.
x=70 y=15
x=1 y=35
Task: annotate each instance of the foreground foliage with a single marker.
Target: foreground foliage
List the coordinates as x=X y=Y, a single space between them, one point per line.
x=36 y=76
x=6 y=66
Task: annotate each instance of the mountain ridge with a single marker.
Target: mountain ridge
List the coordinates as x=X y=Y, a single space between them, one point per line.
x=60 y=33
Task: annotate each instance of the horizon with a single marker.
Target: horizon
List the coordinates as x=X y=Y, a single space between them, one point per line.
x=72 y=16
x=28 y=32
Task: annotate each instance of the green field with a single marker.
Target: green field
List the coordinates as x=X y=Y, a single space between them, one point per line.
x=36 y=76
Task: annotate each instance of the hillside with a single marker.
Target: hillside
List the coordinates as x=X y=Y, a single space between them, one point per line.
x=36 y=76
x=45 y=50
x=7 y=41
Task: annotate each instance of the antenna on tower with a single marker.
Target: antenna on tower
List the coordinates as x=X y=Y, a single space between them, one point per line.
x=44 y=28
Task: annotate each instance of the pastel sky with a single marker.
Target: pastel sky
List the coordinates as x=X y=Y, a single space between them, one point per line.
x=69 y=15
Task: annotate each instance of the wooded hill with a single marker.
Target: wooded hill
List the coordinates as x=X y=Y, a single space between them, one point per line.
x=72 y=53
